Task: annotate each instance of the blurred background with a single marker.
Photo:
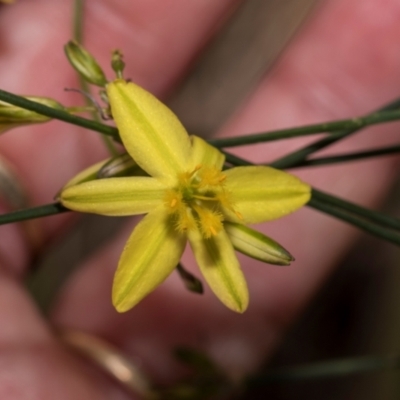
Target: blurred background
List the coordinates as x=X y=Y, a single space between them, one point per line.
x=356 y=313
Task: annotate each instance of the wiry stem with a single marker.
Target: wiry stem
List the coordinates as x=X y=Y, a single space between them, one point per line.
x=78 y=23
x=356 y=156
x=20 y=101
x=32 y=213
x=297 y=157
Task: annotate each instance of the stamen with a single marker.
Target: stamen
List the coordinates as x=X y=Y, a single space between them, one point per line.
x=212 y=230
x=186 y=177
x=184 y=220
x=173 y=200
x=223 y=198
x=237 y=213
x=196 y=168
x=211 y=176
x=205 y=198
x=210 y=221
x=198 y=200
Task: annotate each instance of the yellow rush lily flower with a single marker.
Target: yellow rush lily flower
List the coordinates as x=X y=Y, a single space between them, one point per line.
x=187 y=197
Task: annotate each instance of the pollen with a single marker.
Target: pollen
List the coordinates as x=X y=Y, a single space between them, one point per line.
x=211 y=177
x=173 y=200
x=210 y=222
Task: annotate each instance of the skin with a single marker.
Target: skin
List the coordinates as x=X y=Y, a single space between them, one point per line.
x=343 y=63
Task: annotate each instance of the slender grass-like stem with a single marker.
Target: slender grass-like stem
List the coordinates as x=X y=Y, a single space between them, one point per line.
x=77 y=20
x=353 y=219
x=297 y=157
x=32 y=213
x=353 y=124
x=362 y=212
x=77 y=29
x=356 y=156
x=50 y=112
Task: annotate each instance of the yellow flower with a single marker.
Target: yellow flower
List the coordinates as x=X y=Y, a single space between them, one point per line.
x=187 y=197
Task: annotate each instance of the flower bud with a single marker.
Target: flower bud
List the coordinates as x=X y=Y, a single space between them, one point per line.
x=13 y=116
x=256 y=245
x=122 y=165
x=85 y=64
x=117 y=63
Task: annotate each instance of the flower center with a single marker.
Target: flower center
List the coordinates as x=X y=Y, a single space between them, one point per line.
x=198 y=200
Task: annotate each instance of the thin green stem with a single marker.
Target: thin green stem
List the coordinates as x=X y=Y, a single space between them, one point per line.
x=347 y=124
x=32 y=213
x=78 y=24
x=362 y=212
x=77 y=28
x=327 y=369
x=59 y=114
x=297 y=157
x=362 y=155
x=80 y=109
x=235 y=160
x=353 y=219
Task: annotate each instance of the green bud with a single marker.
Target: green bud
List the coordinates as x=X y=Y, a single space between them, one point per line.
x=256 y=245
x=122 y=165
x=85 y=64
x=117 y=63
x=12 y=116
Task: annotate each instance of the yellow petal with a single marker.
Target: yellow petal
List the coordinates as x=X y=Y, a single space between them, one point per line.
x=150 y=131
x=262 y=193
x=204 y=154
x=257 y=245
x=150 y=255
x=115 y=196
x=118 y=166
x=220 y=267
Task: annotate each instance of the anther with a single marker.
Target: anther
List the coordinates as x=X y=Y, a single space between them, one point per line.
x=237 y=213
x=196 y=168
